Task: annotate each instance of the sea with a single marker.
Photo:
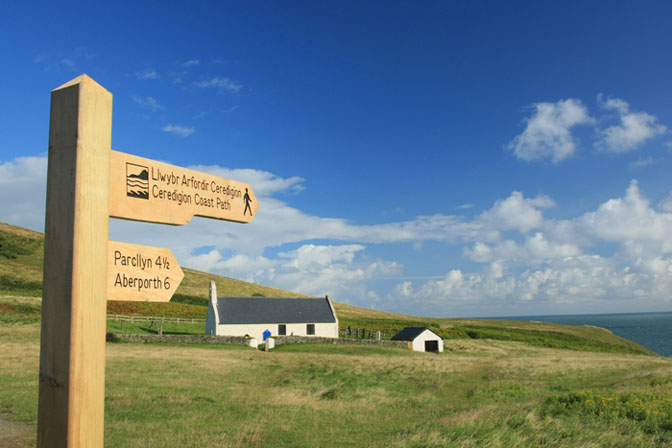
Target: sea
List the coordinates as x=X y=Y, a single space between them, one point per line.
x=652 y=330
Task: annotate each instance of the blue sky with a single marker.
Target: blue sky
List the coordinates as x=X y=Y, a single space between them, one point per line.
x=431 y=158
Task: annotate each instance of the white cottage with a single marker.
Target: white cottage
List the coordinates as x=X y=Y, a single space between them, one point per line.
x=420 y=339
x=254 y=316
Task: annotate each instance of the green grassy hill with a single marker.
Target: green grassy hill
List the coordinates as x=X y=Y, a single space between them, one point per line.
x=21 y=260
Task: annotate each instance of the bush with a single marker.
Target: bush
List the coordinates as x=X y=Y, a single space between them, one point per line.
x=12 y=246
x=13 y=284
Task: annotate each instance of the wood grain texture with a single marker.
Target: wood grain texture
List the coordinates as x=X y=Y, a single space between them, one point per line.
x=147 y=190
x=141 y=273
x=72 y=347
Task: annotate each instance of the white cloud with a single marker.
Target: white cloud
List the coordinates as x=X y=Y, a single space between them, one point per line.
x=532 y=251
x=148 y=73
x=517 y=212
x=643 y=162
x=631 y=222
x=311 y=269
x=554 y=270
x=23 y=187
x=547 y=134
x=222 y=83
x=634 y=129
x=569 y=285
x=192 y=63
x=666 y=204
x=147 y=102
x=182 y=131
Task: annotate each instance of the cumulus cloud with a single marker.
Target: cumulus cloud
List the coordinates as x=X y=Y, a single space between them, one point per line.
x=547 y=133
x=179 y=130
x=634 y=128
x=517 y=212
x=532 y=251
x=560 y=268
x=631 y=222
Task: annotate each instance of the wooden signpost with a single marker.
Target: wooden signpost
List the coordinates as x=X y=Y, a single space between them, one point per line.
x=87 y=183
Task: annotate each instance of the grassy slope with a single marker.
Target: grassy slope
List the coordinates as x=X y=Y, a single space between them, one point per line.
x=479 y=393
x=21 y=259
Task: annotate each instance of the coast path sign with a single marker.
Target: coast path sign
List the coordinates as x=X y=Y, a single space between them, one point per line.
x=141 y=273
x=147 y=190
x=87 y=183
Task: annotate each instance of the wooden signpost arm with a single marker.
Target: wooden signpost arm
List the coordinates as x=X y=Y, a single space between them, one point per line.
x=72 y=347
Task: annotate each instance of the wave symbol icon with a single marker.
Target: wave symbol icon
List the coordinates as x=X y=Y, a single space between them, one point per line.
x=137 y=181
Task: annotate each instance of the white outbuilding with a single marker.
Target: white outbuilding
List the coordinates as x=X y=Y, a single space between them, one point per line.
x=263 y=317
x=420 y=339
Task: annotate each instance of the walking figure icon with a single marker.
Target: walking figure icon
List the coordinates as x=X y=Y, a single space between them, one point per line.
x=247 y=200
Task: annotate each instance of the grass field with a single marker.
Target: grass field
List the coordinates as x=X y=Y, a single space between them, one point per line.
x=480 y=392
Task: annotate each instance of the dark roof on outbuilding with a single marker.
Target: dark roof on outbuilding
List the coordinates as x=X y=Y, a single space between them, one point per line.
x=409 y=333
x=264 y=310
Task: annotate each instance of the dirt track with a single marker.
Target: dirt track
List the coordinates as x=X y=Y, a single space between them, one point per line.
x=16 y=435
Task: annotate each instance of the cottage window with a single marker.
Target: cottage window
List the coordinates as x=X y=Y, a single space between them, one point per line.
x=310 y=329
x=282 y=330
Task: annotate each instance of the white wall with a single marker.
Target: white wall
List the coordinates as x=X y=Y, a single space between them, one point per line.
x=326 y=330
x=419 y=342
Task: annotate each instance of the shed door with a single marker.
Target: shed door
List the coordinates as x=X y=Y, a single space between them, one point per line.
x=431 y=346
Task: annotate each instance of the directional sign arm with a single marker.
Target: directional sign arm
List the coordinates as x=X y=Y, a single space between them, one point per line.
x=147 y=190
x=141 y=273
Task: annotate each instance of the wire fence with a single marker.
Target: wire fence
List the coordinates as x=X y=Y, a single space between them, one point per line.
x=364 y=333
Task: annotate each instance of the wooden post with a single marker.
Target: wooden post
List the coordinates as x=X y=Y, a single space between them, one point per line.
x=72 y=347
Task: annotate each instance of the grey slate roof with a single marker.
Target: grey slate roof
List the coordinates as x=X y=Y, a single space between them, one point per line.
x=409 y=333
x=264 y=310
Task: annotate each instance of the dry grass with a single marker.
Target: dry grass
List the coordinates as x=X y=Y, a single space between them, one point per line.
x=482 y=393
